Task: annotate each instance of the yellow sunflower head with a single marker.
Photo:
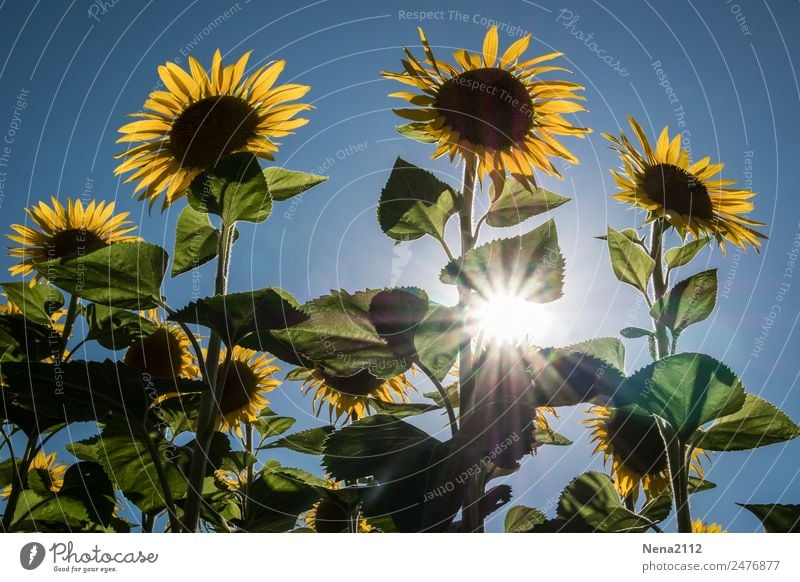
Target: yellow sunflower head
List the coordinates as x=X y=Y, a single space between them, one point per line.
x=165 y=353
x=329 y=516
x=58 y=231
x=636 y=450
x=492 y=106
x=248 y=377
x=230 y=480
x=352 y=396
x=49 y=471
x=202 y=117
x=699 y=526
x=664 y=181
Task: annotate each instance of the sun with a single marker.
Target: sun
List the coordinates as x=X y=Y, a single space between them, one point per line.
x=505 y=317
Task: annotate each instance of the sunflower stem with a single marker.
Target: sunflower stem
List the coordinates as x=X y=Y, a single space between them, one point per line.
x=19 y=481
x=72 y=312
x=680 y=484
x=659 y=285
x=248 y=447
x=451 y=414
x=208 y=405
x=166 y=490
x=471 y=516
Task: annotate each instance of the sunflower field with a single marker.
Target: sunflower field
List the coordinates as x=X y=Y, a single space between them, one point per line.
x=184 y=436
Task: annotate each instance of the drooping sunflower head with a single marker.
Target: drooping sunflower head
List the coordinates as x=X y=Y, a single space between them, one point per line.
x=165 y=353
x=48 y=470
x=328 y=515
x=352 y=396
x=246 y=379
x=634 y=446
x=58 y=231
x=492 y=106
x=664 y=181
x=699 y=526
x=202 y=117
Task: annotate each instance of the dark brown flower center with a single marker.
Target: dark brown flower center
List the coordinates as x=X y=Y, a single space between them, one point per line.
x=159 y=354
x=331 y=518
x=240 y=386
x=637 y=443
x=487 y=107
x=363 y=383
x=678 y=190
x=210 y=129
x=71 y=241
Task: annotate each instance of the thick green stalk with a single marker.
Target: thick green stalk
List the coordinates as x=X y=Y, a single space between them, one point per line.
x=680 y=488
x=248 y=447
x=659 y=285
x=72 y=313
x=166 y=490
x=208 y=405
x=19 y=481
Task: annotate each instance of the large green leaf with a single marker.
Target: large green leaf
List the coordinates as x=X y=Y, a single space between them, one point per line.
x=521 y=519
x=85 y=503
x=284 y=184
x=234 y=189
x=126 y=275
x=630 y=263
x=688 y=390
x=776 y=517
x=278 y=496
x=688 y=302
x=679 y=256
x=127 y=460
x=756 y=424
x=22 y=339
x=529 y=266
x=518 y=202
x=37 y=303
x=271 y=425
x=115 y=329
x=592 y=500
x=403 y=409
x=196 y=241
x=236 y=315
x=415 y=203
x=309 y=441
x=437 y=339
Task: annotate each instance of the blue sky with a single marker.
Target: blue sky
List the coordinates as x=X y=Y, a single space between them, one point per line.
x=722 y=73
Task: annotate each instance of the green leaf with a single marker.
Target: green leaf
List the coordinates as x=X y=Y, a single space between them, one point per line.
x=116 y=329
x=415 y=203
x=690 y=301
x=272 y=425
x=518 y=202
x=697 y=485
x=631 y=264
x=37 y=303
x=521 y=519
x=126 y=459
x=234 y=189
x=688 y=390
x=308 y=441
x=591 y=499
x=629 y=233
x=658 y=509
x=452 y=395
x=236 y=315
x=542 y=436
x=126 y=275
x=756 y=424
x=279 y=495
x=635 y=332
x=284 y=184
x=776 y=517
x=679 y=256
x=530 y=266
x=437 y=339
x=416 y=131
x=196 y=241
x=22 y=339
x=402 y=409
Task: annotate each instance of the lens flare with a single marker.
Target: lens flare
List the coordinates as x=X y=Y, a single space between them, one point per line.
x=508 y=318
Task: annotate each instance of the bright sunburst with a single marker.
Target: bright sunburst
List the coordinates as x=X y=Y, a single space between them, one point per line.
x=505 y=317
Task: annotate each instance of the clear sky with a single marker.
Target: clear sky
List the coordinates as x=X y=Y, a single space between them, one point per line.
x=722 y=72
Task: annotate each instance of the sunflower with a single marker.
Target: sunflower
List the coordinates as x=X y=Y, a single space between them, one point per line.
x=495 y=109
x=353 y=396
x=636 y=450
x=329 y=516
x=50 y=472
x=66 y=231
x=230 y=480
x=699 y=526
x=201 y=118
x=165 y=353
x=669 y=186
x=247 y=379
